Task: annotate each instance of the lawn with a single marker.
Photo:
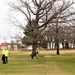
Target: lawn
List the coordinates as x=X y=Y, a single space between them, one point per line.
x=48 y=63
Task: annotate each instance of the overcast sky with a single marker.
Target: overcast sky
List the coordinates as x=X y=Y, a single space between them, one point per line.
x=3 y=23
x=5 y=28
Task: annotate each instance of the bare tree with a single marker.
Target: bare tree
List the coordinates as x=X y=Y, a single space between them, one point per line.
x=64 y=13
x=44 y=12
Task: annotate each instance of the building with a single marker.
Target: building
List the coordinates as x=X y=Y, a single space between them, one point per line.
x=4 y=45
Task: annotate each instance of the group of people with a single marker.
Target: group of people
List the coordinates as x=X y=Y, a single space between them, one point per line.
x=5 y=54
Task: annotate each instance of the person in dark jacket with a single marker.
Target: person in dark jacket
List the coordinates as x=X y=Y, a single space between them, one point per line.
x=3 y=56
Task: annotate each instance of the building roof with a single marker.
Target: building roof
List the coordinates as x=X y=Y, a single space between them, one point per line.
x=4 y=44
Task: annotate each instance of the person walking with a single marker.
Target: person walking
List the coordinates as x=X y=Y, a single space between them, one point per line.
x=37 y=53
x=6 y=55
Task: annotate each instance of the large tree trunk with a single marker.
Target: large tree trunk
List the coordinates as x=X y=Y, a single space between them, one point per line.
x=57 y=46
x=57 y=40
x=34 y=46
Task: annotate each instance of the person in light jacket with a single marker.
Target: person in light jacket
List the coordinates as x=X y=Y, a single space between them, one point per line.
x=6 y=55
x=37 y=53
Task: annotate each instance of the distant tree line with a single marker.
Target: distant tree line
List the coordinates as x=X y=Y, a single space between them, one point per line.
x=66 y=36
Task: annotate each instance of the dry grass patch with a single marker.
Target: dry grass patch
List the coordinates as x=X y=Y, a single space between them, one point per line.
x=20 y=63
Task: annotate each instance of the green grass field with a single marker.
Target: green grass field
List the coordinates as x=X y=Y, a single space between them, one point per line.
x=48 y=63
